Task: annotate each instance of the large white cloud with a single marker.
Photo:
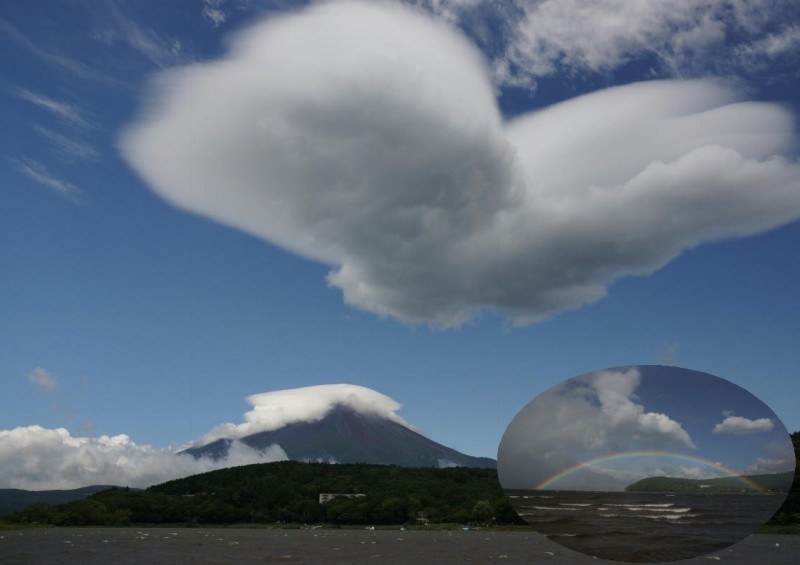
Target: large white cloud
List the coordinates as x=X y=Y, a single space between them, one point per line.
x=367 y=136
x=37 y=458
x=273 y=410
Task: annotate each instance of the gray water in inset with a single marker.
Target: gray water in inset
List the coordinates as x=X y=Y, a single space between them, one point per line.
x=643 y=527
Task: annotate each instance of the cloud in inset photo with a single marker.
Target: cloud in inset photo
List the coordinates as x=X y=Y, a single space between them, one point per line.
x=739 y=425
x=606 y=429
x=595 y=414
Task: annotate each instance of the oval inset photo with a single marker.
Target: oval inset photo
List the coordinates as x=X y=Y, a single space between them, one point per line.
x=646 y=463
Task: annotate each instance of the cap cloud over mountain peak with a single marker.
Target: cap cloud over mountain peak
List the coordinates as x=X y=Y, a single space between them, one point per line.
x=276 y=409
x=333 y=424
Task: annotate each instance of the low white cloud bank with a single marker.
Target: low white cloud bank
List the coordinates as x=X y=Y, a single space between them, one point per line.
x=273 y=410
x=367 y=136
x=739 y=425
x=37 y=458
x=596 y=413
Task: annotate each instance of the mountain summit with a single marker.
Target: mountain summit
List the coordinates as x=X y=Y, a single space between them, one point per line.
x=347 y=435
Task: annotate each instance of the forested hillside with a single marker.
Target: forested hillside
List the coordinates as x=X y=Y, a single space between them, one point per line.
x=289 y=491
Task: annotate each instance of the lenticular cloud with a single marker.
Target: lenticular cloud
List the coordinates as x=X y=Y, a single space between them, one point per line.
x=367 y=136
x=273 y=410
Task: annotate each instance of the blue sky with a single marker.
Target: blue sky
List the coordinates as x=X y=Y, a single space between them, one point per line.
x=359 y=194
x=607 y=429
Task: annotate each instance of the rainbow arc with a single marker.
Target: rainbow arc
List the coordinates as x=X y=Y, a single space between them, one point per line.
x=648 y=452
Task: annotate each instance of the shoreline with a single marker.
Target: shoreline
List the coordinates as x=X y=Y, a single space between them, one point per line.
x=786 y=530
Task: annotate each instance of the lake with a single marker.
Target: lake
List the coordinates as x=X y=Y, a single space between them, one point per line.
x=155 y=546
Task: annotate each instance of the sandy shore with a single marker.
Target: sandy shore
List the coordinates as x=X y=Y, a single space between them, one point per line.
x=120 y=546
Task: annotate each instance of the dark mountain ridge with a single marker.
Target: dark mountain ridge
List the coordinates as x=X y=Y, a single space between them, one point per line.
x=345 y=435
x=12 y=499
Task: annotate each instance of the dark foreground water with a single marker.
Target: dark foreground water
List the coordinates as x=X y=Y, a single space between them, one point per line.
x=644 y=527
x=156 y=546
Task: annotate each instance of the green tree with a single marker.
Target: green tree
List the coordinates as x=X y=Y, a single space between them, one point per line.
x=482 y=512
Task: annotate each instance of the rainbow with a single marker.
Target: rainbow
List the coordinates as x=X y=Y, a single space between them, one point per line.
x=648 y=452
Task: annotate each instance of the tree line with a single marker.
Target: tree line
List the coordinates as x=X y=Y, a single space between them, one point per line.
x=288 y=492
x=789 y=512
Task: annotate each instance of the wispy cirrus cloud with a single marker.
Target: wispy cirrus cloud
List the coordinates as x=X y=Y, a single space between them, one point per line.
x=70 y=114
x=36 y=171
x=118 y=24
x=68 y=146
x=72 y=67
x=762 y=52
x=539 y=38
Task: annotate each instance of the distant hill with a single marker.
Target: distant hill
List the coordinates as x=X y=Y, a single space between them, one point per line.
x=779 y=482
x=345 y=435
x=12 y=499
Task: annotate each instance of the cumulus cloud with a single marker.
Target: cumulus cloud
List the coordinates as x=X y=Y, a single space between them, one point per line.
x=585 y=417
x=628 y=420
x=366 y=136
x=37 y=458
x=273 y=410
x=43 y=379
x=739 y=425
